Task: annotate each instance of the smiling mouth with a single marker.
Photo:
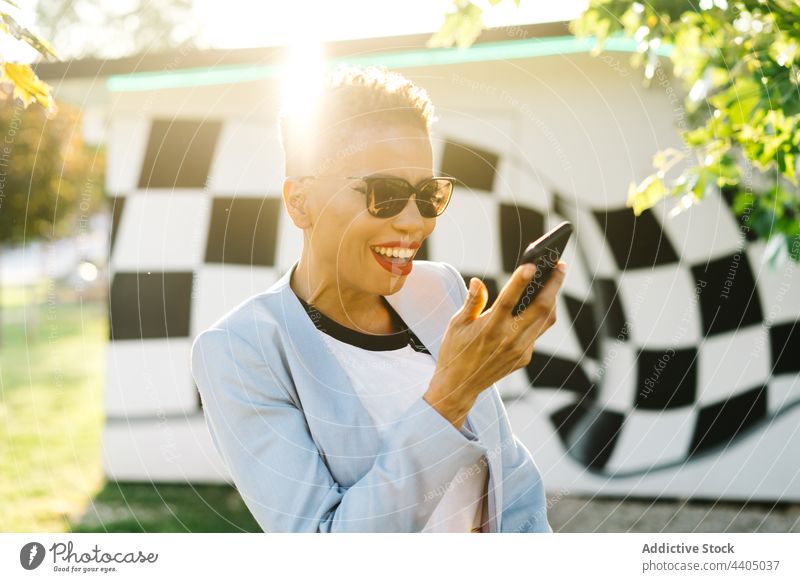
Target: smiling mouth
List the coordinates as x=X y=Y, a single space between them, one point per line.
x=395 y=255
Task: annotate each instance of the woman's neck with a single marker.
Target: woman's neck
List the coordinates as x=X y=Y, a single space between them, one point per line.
x=366 y=313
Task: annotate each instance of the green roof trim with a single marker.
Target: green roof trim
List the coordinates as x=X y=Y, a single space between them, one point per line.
x=483 y=52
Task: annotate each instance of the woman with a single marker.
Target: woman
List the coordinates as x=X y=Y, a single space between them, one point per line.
x=357 y=392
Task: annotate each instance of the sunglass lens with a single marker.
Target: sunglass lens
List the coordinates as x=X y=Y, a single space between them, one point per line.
x=434 y=198
x=388 y=197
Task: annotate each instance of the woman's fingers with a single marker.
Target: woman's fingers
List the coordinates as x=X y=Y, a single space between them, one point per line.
x=509 y=296
x=476 y=299
x=541 y=314
x=504 y=341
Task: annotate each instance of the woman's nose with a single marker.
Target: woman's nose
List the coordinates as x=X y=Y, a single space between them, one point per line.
x=410 y=214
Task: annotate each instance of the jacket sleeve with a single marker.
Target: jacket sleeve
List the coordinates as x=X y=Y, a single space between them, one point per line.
x=524 y=501
x=264 y=439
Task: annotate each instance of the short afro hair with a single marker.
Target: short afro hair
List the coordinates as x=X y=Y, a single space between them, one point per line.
x=350 y=98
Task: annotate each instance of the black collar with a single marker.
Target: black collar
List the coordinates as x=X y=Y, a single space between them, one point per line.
x=367 y=341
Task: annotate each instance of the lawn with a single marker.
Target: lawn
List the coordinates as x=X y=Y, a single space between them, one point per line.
x=52 y=369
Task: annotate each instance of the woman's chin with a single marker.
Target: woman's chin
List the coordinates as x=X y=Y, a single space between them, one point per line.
x=395 y=283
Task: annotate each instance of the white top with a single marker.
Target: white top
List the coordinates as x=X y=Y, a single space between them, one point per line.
x=389 y=373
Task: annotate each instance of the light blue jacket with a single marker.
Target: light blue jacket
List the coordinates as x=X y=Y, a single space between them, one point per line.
x=304 y=452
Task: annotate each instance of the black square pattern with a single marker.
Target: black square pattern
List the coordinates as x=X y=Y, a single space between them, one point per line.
x=720 y=422
x=473 y=167
x=150 y=305
x=609 y=314
x=179 y=153
x=117 y=206
x=548 y=371
x=728 y=296
x=785 y=343
x=519 y=226
x=589 y=433
x=637 y=242
x=666 y=379
x=582 y=319
x=243 y=231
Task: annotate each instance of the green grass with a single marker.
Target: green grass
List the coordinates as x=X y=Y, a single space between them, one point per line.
x=52 y=372
x=166 y=507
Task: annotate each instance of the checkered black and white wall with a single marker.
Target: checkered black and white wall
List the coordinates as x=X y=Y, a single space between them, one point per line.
x=673 y=370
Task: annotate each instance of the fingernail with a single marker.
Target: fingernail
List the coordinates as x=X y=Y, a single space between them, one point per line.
x=562 y=266
x=473 y=286
x=528 y=270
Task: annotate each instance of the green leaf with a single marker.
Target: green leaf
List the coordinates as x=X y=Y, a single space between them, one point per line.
x=646 y=194
x=461 y=28
x=743 y=202
x=784 y=50
x=744 y=97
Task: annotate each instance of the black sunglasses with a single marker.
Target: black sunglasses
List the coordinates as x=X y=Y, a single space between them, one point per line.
x=387 y=196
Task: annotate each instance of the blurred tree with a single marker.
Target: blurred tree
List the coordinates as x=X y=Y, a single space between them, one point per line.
x=50 y=182
x=738 y=61
x=45 y=169
x=19 y=87
x=103 y=29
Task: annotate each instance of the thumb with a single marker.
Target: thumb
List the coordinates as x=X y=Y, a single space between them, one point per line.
x=475 y=300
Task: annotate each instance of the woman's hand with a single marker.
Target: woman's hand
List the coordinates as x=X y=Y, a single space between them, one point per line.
x=479 y=349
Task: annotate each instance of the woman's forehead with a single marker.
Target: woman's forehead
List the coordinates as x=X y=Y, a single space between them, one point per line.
x=388 y=150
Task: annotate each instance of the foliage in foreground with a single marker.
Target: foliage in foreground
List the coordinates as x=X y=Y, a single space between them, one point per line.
x=738 y=63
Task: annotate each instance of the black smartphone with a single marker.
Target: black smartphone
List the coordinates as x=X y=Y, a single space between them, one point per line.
x=545 y=253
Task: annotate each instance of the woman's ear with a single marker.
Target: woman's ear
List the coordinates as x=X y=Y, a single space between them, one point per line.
x=296 y=202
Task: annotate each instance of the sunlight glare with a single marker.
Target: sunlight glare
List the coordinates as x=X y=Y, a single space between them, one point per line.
x=301 y=77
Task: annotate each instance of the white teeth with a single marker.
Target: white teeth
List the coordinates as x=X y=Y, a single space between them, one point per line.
x=396 y=252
